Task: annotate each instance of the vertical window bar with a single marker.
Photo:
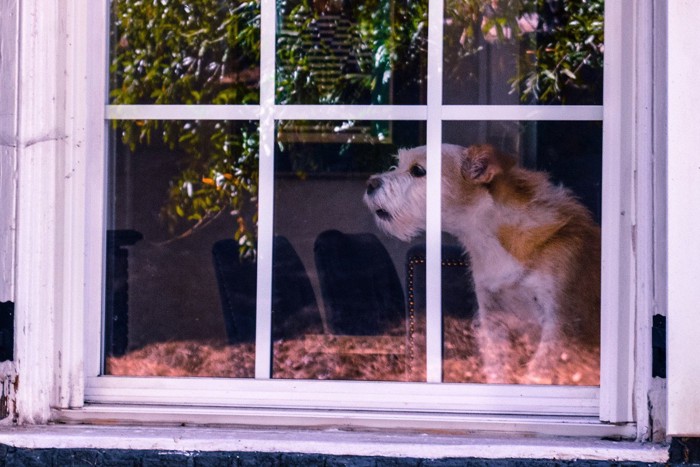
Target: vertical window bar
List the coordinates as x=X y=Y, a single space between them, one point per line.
x=433 y=311
x=263 y=323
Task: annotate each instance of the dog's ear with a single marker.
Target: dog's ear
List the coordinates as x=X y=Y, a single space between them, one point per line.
x=481 y=163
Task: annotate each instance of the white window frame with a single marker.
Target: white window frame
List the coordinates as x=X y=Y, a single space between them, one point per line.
x=59 y=241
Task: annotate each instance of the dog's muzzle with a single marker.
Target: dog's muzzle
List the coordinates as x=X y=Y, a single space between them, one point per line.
x=373 y=184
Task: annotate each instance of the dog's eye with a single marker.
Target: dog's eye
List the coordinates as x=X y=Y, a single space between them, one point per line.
x=417 y=171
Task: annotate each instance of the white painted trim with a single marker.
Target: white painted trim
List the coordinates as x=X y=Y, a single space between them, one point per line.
x=351 y=112
x=69 y=330
x=41 y=135
x=336 y=395
x=8 y=146
x=617 y=286
x=433 y=218
x=643 y=211
x=332 y=442
x=344 y=418
x=523 y=112
x=266 y=195
x=183 y=112
x=94 y=165
x=683 y=221
x=654 y=426
x=79 y=311
x=357 y=112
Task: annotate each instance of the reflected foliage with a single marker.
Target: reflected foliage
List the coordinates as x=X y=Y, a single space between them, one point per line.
x=185 y=52
x=328 y=52
x=193 y=52
x=557 y=45
x=333 y=52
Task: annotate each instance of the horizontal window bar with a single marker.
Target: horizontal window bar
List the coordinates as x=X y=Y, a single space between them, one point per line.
x=182 y=112
x=353 y=112
x=522 y=112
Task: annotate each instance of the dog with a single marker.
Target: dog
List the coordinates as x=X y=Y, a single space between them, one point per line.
x=534 y=251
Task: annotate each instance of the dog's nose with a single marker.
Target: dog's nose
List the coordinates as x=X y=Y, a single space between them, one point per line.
x=373 y=184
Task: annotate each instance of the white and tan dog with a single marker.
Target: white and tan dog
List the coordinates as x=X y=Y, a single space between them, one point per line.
x=534 y=252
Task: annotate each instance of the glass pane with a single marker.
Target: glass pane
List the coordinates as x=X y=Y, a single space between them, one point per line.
x=523 y=52
x=340 y=283
x=181 y=249
x=523 y=304
x=184 y=52
x=335 y=52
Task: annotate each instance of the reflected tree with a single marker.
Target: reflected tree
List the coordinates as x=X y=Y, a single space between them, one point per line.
x=558 y=45
x=208 y=52
x=193 y=52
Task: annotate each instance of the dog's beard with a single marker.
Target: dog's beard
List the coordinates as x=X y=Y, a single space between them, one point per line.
x=395 y=221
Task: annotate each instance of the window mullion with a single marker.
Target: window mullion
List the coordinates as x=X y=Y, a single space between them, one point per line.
x=263 y=333
x=433 y=201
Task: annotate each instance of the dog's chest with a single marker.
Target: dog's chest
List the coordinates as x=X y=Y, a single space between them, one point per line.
x=504 y=283
x=493 y=267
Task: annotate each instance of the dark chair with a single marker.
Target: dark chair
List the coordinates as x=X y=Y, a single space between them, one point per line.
x=116 y=339
x=7 y=331
x=236 y=279
x=294 y=307
x=361 y=290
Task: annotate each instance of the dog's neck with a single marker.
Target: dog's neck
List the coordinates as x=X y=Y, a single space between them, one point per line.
x=476 y=227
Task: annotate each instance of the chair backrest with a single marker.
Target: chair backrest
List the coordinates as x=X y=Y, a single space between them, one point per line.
x=236 y=280
x=294 y=307
x=361 y=290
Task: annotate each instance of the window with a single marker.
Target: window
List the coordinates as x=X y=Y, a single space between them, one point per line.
x=312 y=153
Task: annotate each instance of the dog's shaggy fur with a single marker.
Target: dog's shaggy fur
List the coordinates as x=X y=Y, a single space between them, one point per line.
x=534 y=251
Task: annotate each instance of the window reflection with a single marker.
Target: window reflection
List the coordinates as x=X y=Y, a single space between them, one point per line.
x=333 y=267
x=348 y=301
x=184 y=52
x=523 y=52
x=496 y=324
x=181 y=249
x=347 y=52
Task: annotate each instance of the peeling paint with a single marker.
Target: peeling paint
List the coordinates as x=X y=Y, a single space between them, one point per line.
x=43 y=139
x=657 y=411
x=9 y=383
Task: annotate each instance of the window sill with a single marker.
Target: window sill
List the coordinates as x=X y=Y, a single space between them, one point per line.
x=332 y=442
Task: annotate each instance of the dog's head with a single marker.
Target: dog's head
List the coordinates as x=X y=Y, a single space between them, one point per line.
x=397 y=197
